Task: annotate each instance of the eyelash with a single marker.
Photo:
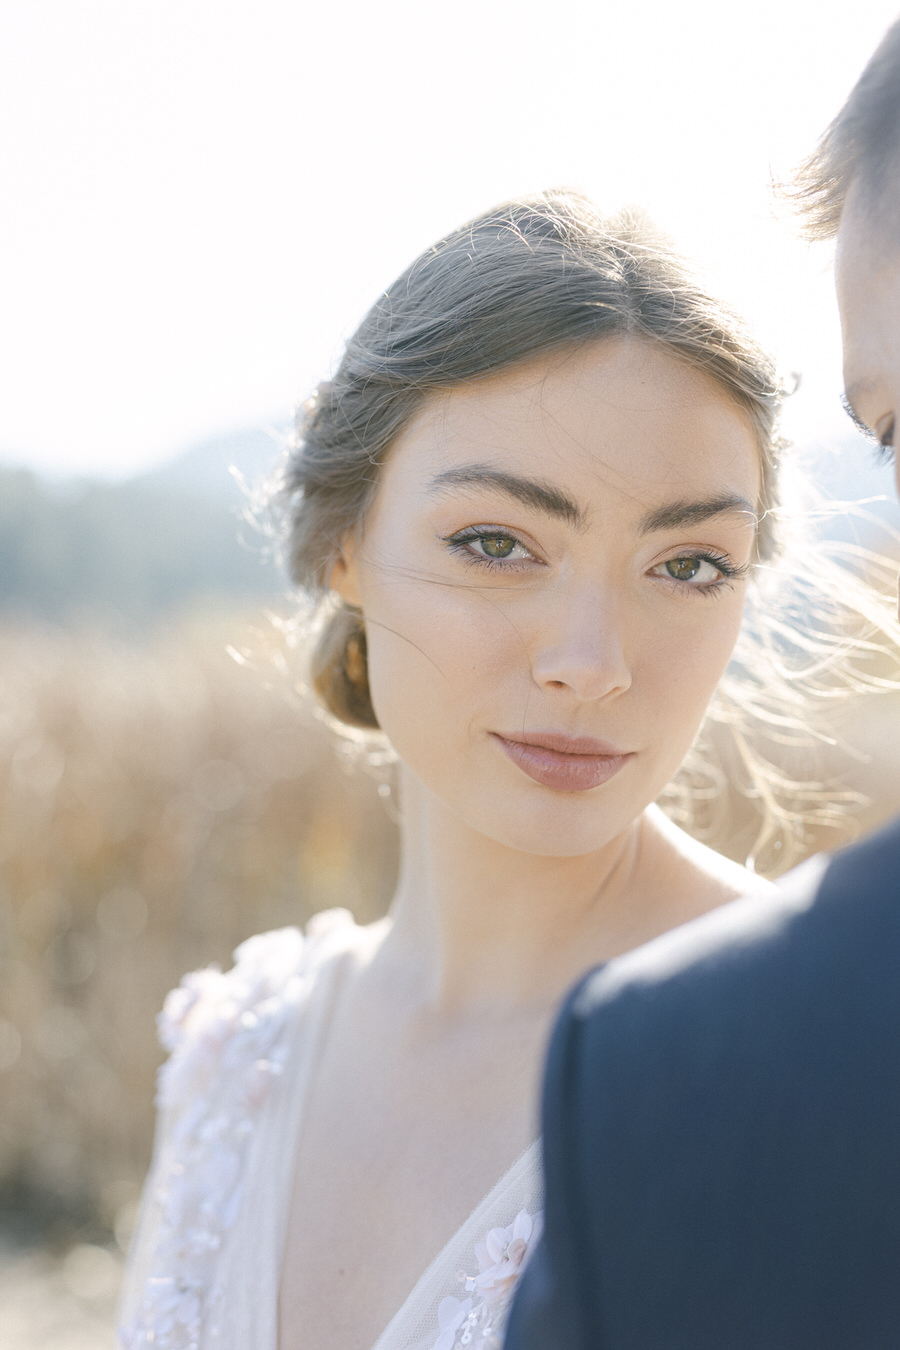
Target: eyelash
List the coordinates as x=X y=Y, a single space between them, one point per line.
x=884 y=444
x=730 y=572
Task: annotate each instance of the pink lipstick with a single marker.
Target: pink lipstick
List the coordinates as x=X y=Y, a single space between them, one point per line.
x=566 y=763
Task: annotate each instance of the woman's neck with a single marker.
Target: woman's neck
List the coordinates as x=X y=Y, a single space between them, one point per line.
x=486 y=928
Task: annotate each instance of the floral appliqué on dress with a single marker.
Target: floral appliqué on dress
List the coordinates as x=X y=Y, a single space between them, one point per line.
x=480 y=1319
x=228 y=1043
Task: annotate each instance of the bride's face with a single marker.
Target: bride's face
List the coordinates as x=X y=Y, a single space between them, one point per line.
x=552 y=578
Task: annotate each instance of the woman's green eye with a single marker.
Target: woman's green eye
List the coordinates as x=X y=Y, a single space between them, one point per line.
x=497 y=545
x=683 y=569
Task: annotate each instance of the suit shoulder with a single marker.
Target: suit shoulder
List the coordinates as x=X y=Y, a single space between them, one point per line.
x=832 y=929
x=872 y=864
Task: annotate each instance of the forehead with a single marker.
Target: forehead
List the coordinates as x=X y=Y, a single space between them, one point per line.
x=623 y=412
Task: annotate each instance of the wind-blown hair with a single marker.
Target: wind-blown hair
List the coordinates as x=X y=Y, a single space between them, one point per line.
x=529 y=278
x=861 y=145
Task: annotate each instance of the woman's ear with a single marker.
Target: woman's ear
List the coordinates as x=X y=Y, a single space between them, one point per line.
x=343 y=576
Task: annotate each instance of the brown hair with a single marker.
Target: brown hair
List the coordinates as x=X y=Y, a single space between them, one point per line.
x=861 y=145
x=524 y=279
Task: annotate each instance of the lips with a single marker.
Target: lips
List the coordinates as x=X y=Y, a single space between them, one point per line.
x=566 y=763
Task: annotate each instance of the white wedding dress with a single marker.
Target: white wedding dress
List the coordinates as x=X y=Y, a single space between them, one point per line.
x=206 y=1258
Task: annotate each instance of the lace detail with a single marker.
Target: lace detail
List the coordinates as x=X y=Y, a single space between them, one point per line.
x=227 y=1034
x=480 y=1320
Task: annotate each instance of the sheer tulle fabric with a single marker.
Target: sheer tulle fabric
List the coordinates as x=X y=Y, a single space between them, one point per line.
x=205 y=1263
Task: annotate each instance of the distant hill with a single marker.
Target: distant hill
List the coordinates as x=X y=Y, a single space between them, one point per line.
x=126 y=553
x=217 y=467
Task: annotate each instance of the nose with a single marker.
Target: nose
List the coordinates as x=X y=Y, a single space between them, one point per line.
x=584 y=649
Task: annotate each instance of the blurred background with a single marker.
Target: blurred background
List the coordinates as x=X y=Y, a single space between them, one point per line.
x=200 y=198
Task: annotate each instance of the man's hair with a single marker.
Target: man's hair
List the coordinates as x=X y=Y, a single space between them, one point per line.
x=860 y=146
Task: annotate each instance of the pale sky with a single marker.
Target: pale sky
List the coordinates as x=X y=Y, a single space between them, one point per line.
x=199 y=198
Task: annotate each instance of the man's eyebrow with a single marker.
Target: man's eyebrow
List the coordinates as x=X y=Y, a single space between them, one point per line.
x=533 y=492
x=677 y=514
x=855 y=417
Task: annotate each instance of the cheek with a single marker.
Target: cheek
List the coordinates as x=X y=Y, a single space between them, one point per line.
x=682 y=669
x=434 y=651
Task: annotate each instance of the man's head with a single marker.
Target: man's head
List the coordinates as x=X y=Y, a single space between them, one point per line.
x=849 y=189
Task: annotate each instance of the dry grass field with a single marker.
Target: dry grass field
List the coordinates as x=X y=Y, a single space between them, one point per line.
x=158 y=804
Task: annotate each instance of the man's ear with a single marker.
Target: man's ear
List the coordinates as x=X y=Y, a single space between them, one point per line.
x=343 y=577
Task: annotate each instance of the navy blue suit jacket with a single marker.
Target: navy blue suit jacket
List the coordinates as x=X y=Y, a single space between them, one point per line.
x=722 y=1131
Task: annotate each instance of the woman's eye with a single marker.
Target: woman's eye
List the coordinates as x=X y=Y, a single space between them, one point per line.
x=691 y=568
x=495 y=545
x=490 y=546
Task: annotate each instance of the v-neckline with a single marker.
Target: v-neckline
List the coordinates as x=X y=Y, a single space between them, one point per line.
x=441 y=1271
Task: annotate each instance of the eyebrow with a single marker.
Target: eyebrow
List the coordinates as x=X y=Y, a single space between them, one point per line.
x=533 y=492
x=544 y=496
x=678 y=514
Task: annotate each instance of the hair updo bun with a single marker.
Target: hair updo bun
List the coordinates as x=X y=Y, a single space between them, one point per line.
x=338 y=669
x=522 y=280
